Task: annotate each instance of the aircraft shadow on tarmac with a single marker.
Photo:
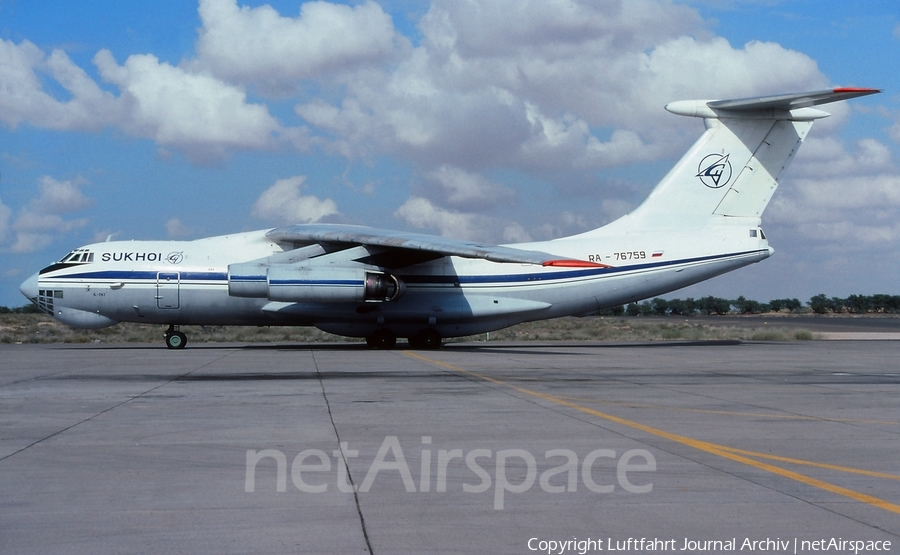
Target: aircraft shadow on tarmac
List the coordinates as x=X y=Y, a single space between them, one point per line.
x=542 y=348
x=498 y=347
x=517 y=348
x=311 y=375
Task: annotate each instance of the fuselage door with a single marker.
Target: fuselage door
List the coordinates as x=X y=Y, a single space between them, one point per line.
x=167 y=289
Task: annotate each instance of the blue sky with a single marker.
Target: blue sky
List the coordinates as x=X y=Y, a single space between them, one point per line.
x=501 y=121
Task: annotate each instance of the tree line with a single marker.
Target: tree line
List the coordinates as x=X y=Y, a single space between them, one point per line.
x=819 y=304
x=29 y=308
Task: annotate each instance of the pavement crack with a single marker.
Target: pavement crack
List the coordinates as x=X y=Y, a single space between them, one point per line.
x=337 y=435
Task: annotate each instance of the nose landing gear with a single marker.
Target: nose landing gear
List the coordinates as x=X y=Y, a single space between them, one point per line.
x=174 y=338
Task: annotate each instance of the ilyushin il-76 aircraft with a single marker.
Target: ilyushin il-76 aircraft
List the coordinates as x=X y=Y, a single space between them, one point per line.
x=701 y=220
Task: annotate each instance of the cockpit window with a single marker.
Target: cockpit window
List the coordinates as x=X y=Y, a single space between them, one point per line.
x=76 y=256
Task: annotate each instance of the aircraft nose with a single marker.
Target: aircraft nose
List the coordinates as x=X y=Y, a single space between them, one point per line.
x=29 y=287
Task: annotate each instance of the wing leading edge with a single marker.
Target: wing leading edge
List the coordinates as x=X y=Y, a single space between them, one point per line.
x=361 y=235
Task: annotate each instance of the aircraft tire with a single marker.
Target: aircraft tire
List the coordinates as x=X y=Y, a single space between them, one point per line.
x=428 y=339
x=382 y=340
x=176 y=340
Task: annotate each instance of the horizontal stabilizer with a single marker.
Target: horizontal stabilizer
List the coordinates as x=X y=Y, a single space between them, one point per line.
x=792 y=101
x=796 y=106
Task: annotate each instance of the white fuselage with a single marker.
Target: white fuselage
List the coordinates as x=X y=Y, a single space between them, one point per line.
x=187 y=282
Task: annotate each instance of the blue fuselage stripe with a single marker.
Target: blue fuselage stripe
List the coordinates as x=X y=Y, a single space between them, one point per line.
x=187 y=277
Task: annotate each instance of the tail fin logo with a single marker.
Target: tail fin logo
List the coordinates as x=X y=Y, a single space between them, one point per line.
x=714 y=170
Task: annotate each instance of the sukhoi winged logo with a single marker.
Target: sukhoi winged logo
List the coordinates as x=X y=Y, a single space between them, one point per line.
x=714 y=170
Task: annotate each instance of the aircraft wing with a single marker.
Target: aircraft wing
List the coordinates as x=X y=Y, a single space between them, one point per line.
x=439 y=246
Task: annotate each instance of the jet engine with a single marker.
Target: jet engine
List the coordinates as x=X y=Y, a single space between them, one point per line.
x=295 y=283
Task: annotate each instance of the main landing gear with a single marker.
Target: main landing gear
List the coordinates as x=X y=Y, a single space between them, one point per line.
x=382 y=340
x=426 y=339
x=174 y=338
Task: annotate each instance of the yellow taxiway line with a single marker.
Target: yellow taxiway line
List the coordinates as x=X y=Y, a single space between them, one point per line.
x=737 y=455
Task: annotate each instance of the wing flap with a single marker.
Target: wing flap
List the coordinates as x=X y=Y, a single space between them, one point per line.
x=360 y=235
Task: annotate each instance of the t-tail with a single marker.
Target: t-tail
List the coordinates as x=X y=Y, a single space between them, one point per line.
x=732 y=171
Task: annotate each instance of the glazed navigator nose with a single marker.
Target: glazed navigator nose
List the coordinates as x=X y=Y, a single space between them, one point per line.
x=29 y=287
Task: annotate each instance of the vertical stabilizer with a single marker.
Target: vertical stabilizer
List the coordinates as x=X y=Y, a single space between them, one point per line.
x=733 y=169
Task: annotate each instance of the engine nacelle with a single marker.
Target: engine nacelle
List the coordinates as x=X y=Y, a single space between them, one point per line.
x=248 y=280
x=296 y=283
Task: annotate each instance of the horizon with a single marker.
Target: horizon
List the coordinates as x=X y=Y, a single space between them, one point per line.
x=507 y=123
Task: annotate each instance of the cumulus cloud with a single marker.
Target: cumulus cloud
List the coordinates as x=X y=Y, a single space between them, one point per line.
x=421 y=213
x=828 y=156
x=176 y=229
x=547 y=86
x=23 y=98
x=283 y=203
x=536 y=85
x=894 y=131
x=466 y=190
x=191 y=110
x=840 y=198
x=43 y=218
x=5 y=221
x=258 y=45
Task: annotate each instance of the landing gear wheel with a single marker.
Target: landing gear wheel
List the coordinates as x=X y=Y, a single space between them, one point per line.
x=175 y=339
x=382 y=340
x=427 y=339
